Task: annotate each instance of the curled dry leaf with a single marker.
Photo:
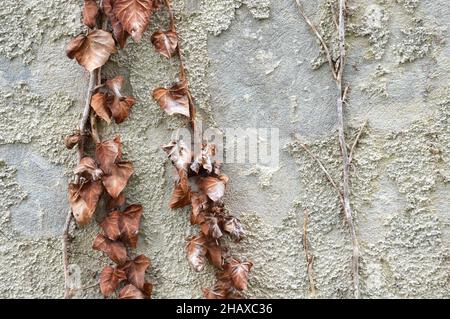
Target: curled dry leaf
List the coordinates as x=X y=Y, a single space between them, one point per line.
x=83 y=200
x=130 y=222
x=90 y=13
x=199 y=203
x=135 y=270
x=199 y=247
x=234 y=228
x=210 y=227
x=196 y=253
x=91 y=51
x=107 y=153
x=110 y=225
x=120 y=107
x=88 y=169
x=118 y=177
x=205 y=159
x=174 y=100
x=181 y=195
x=214 y=187
x=179 y=154
x=214 y=253
x=115 y=85
x=238 y=272
x=72 y=140
x=115 y=250
x=98 y=103
x=131 y=292
x=134 y=15
x=110 y=279
x=165 y=42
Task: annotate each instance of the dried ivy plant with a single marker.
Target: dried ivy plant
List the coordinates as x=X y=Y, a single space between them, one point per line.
x=105 y=173
x=337 y=67
x=199 y=170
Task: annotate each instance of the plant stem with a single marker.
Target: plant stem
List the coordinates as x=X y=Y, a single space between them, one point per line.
x=337 y=70
x=345 y=157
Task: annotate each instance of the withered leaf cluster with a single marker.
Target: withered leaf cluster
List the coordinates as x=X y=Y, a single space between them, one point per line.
x=120 y=228
x=126 y=18
x=108 y=102
x=106 y=172
x=202 y=172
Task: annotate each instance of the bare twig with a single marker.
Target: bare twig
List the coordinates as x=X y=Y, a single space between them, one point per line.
x=344 y=95
x=337 y=70
x=355 y=143
x=65 y=247
x=345 y=158
x=319 y=37
x=88 y=286
x=323 y=168
x=308 y=255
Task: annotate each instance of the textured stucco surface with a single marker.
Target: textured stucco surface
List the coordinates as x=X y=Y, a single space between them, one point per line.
x=251 y=63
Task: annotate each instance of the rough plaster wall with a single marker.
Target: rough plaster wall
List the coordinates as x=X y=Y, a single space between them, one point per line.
x=252 y=63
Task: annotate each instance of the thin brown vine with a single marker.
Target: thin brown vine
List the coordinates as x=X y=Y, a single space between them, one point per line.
x=337 y=70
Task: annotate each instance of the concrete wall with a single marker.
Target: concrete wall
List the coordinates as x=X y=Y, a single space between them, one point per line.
x=252 y=63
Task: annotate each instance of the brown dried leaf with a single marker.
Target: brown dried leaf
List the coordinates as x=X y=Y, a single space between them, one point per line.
x=115 y=85
x=72 y=140
x=110 y=225
x=181 y=195
x=147 y=290
x=90 y=12
x=234 y=228
x=205 y=159
x=210 y=227
x=174 y=100
x=130 y=222
x=135 y=270
x=107 y=153
x=134 y=15
x=131 y=292
x=199 y=203
x=214 y=187
x=110 y=279
x=196 y=252
x=98 y=103
x=120 y=107
x=83 y=200
x=116 y=181
x=238 y=272
x=88 y=169
x=74 y=45
x=220 y=290
x=214 y=253
x=92 y=51
x=179 y=154
x=115 y=250
x=165 y=42
x=119 y=32
x=116 y=203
